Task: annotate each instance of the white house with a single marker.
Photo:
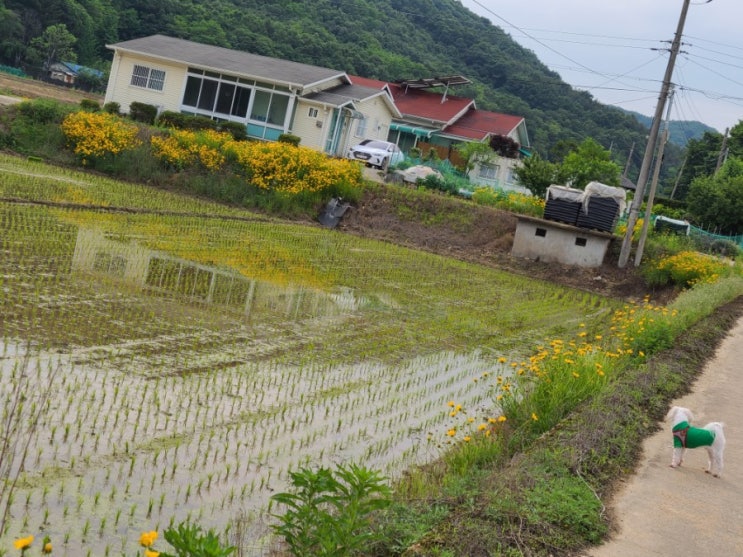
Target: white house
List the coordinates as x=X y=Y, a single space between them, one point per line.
x=270 y=96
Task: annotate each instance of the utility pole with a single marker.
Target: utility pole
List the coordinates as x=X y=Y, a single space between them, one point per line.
x=652 y=140
x=629 y=160
x=653 y=185
x=678 y=176
x=723 y=151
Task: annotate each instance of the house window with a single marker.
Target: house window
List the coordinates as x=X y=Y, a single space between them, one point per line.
x=361 y=127
x=541 y=232
x=581 y=242
x=269 y=107
x=489 y=171
x=224 y=97
x=149 y=78
x=216 y=97
x=312 y=113
x=157 y=80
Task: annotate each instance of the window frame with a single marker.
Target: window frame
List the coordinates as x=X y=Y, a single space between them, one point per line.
x=494 y=168
x=146 y=77
x=361 y=127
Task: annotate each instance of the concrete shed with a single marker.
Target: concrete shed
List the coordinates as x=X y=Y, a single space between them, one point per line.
x=550 y=241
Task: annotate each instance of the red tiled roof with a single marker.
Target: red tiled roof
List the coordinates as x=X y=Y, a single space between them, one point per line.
x=420 y=104
x=367 y=82
x=478 y=124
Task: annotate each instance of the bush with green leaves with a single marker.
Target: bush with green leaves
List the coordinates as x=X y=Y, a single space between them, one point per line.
x=43 y=111
x=89 y=105
x=188 y=540
x=238 y=131
x=329 y=513
x=143 y=112
x=112 y=108
x=289 y=138
x=171 y=119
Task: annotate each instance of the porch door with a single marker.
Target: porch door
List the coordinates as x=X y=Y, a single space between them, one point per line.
x=334 y=133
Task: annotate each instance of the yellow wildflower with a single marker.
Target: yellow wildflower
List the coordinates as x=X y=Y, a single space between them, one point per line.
x=452 y=432
x=534 y=417
x=23 y=543
x=147 y=538
x=150 y=553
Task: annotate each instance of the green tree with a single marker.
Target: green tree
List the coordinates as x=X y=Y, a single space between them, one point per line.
x=11 y=37
x=55 y=44
x=735 y=141
x=716 y=202
x=562 y=149
x=471 y=152
x=701 y=160
x=590 y=162
x=537 y=174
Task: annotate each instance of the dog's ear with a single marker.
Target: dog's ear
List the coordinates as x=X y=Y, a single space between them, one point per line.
x=672 y=412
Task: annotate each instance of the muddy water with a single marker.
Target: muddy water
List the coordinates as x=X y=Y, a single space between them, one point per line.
x=133 y=453
x=157 y=389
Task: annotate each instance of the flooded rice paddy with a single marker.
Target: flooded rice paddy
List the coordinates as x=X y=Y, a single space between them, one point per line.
x=161 y=368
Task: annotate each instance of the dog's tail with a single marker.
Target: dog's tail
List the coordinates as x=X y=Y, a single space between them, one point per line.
x=717 y=428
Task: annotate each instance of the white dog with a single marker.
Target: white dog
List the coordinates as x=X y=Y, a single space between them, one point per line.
x=711 y=437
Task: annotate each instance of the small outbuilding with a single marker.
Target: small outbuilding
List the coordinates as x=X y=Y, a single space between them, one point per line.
x=552 y=241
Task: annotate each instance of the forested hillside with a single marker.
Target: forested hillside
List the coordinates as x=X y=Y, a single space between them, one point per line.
x=387 y=39
x=680 y=131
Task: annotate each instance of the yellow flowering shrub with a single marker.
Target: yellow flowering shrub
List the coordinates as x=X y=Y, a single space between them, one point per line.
x=98 y=134
x=636 y=231
x=278 y=167
x=183 y=149
x=686 y=269
x=287 y=169
x=692 y=267
x=510 y=201
x=534 y=393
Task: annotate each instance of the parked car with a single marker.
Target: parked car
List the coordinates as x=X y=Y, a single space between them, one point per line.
x=375 y=152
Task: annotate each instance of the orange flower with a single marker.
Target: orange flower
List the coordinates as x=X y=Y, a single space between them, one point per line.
x=23 y=543
x=147 y=538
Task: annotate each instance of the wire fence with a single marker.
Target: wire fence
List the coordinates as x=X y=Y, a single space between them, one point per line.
x=711 y=236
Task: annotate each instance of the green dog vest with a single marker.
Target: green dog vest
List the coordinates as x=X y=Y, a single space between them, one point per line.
x=687 y=437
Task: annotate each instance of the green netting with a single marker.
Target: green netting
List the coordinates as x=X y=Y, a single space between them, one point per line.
x=12 y=71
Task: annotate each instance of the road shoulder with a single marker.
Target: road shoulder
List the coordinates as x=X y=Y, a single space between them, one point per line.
x=662 y=511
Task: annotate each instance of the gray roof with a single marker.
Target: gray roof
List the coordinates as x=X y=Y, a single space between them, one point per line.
x=344 y=94
x=225 y=60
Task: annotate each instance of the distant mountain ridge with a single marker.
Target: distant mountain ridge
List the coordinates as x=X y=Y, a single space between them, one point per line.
x=680 y=131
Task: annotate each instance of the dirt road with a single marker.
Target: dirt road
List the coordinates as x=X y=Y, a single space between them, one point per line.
x=11 y=85
x=684 y=512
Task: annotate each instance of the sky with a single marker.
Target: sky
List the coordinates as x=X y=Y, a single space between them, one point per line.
x=618 y=50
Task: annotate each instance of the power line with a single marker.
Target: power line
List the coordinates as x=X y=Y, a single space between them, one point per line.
x=533 y=38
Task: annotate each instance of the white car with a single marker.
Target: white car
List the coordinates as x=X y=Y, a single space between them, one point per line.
x=375 y=152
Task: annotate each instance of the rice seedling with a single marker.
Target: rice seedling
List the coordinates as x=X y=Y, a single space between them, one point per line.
x=199 y=343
